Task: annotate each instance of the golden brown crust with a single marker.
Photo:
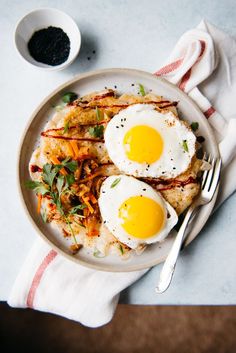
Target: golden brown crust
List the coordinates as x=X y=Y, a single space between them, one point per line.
x=82 y=115
x=72 y=124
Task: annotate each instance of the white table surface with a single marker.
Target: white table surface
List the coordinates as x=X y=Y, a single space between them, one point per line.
x=133 y=34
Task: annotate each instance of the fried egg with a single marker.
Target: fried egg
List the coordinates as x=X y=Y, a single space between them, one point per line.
x=134 y=212
x=144 y=142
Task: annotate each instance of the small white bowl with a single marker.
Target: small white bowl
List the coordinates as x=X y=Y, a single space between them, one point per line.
x=43 y=18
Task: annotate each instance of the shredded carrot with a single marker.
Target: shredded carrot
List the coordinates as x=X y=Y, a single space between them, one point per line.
x=75 y=148
x=55 y=160
x=90 y=177
x=70 y=150
x=93 y=233
x=86 y=201
x=39 y=202
x=92 y=198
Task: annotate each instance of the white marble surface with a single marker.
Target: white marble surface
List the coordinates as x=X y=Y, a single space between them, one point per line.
x=135 y=34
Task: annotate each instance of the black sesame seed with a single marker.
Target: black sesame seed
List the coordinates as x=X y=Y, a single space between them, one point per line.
x=103 y=192
x=88 y=58
x=124 y=119
x=94 y=51
x=105 y=87
x=122 y=125
x=50 y=46
x=132 y=84
x=144 y=189
x=117 y=127
x=115 y=86
x=174 y=168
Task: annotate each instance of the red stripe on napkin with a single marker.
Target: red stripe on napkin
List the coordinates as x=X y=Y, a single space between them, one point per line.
x=169 y=68
x=184 y=80
x=38 y=276
x=209 y=112
x=203 y=47
x=187 y=75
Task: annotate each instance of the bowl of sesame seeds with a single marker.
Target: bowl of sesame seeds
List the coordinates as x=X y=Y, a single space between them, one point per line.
x=48 y=39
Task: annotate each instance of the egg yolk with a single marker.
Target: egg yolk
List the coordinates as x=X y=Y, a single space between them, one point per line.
x=143 y=144
x=141 y=217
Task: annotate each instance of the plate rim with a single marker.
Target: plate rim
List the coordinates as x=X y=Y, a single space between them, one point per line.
x=102 y=267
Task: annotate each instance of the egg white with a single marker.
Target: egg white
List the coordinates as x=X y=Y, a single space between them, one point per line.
x=111 y=198
x=174 y=159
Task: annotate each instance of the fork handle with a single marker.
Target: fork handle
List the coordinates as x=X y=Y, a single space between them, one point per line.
x=169 y=265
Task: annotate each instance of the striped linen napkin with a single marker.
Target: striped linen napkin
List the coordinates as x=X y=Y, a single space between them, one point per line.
x=203 y=65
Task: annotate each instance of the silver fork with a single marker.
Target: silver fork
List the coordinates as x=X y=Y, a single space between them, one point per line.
x=209 y=184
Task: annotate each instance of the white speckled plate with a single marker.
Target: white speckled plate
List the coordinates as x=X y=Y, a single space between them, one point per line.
x=83 y=84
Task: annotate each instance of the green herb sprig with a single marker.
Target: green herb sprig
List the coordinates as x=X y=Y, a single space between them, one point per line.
x=194 y=125
x=96 y=131
x=37 y=186
x=55 y=185
x=77 y=208
x=69 y=97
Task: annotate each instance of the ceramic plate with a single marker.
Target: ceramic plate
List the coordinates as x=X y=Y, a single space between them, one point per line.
x=124 y=80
